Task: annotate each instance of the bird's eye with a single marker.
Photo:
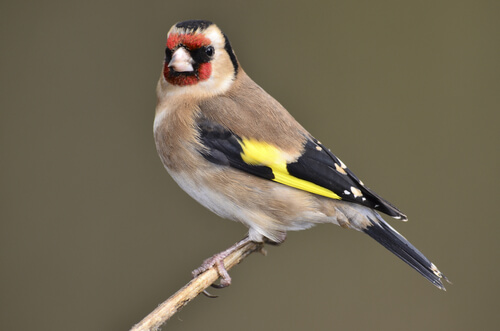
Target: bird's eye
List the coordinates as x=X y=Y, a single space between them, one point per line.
x=209 y=51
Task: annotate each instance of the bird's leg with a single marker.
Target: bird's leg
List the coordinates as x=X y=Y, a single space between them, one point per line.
x=218 y=261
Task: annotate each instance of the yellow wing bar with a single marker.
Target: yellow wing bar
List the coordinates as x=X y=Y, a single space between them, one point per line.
x=263 y=154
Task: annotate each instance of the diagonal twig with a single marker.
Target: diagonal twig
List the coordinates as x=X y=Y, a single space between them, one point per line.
x=178 y=300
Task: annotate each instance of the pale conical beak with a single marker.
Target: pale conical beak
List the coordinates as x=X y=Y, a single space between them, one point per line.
x=181 y=61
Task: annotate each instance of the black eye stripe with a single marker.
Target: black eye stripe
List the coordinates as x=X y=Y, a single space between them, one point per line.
x=200 y=55
x=168 y=54
x=203 y=54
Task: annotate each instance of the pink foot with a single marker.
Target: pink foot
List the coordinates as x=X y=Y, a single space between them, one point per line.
x=218 y=261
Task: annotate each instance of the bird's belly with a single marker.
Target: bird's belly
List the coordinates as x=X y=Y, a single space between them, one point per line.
x=215 y=201
x=265 y=207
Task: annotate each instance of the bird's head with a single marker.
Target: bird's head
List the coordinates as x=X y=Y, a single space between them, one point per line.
x=198 y=53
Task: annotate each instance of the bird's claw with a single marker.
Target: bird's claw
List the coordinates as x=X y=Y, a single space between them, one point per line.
x=216 y=261
x=211 y=296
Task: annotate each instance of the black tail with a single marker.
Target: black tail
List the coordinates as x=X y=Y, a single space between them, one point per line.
x=396 y=243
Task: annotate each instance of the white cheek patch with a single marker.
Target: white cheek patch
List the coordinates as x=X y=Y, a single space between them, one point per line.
x=215 y=37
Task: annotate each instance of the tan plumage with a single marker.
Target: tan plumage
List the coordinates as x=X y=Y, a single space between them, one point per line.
x=212 y=119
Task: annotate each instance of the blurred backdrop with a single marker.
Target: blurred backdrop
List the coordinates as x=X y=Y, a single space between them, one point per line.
x=94 y=234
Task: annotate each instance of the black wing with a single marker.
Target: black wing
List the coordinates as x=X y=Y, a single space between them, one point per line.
x=316 y=165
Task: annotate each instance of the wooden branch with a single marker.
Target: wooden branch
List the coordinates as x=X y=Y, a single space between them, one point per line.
x=173 y=304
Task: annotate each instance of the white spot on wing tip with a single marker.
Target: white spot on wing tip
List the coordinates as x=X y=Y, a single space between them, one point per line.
x=356 y=192
x=342 y=163
x=401 y=218
x=436 y=271
x=340 y=169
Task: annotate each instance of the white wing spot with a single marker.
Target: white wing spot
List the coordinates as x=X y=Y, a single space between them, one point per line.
x=436 y=271
x=339 y=169
x=341 y=163
x=356 y=192
x=346 y=192
x=319 y=148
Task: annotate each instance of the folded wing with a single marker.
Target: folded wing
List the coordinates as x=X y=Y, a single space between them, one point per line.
x=317 y=170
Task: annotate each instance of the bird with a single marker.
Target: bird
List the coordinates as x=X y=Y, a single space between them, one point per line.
x=238 y=152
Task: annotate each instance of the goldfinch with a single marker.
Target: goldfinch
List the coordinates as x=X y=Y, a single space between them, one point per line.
x=238 y=152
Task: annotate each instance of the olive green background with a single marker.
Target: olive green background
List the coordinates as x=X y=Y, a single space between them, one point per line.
x=94 y=234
